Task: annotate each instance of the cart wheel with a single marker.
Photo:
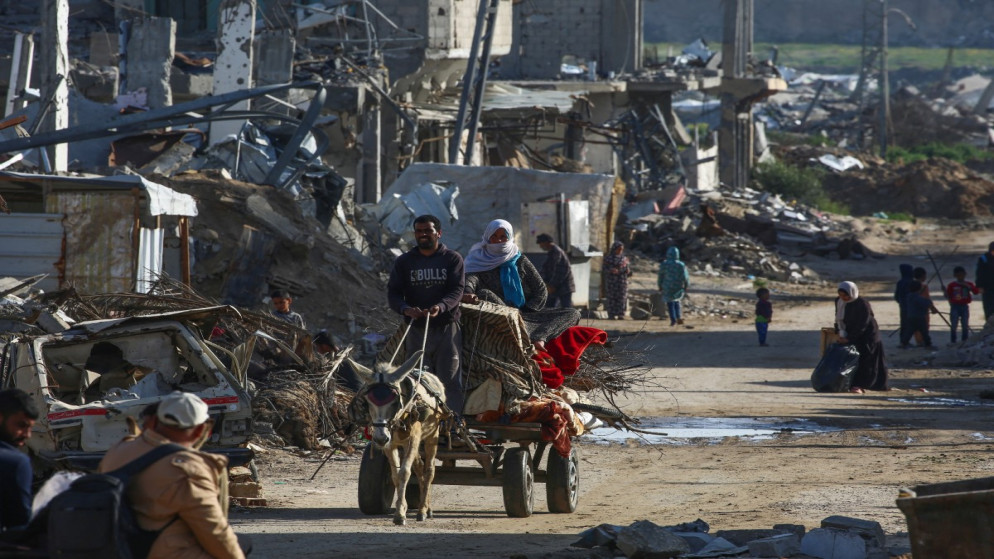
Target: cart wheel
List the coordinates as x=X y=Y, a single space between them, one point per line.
x=562 y=482
x=519 y=483
x=376 y=489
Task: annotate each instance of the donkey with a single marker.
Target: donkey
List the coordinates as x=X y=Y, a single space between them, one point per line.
x=406 y=410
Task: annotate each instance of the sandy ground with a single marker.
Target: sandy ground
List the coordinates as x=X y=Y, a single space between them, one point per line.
x=709 y=368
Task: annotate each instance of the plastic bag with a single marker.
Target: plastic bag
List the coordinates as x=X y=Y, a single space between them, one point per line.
x=835 y=370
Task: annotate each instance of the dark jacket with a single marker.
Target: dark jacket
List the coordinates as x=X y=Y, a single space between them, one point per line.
x=901 y=289
x=861 y=326
x=985 y=272
x=764 y=311
x=423 y=281
x=556 y=271
x=919 y=306
x=15 y=487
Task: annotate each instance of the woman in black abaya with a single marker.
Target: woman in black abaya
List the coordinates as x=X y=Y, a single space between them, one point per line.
x=856 y=325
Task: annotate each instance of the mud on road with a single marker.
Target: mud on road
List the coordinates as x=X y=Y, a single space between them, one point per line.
x=932 y=427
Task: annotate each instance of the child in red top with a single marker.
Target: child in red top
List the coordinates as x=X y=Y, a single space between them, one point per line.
x=960 y=294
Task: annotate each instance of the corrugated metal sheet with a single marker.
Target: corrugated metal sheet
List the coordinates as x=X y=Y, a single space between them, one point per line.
x=100 y=256
x=149 y=258
x=31 y=244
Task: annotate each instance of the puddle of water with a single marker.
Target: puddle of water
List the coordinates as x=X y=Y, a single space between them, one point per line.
x=951 y=402
x=680 y=430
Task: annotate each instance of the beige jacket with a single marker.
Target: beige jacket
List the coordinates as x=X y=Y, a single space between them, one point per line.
x=183 y=484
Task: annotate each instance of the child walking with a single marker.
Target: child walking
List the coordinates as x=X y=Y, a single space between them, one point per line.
x=960 y=294
x=764 y=314
x=919 y=308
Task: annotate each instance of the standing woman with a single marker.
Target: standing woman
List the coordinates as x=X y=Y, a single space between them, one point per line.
x=616 y=272
x=854 y=319
x=673 y=281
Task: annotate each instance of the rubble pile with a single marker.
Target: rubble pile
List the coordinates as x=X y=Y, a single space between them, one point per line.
x=837 y=536
x=976 y=351
x=716 y=242
x=252 y=238
x=936 y=187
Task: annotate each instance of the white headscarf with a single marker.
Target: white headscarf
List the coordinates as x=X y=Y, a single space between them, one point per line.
x=484 y=256
x=840 y=306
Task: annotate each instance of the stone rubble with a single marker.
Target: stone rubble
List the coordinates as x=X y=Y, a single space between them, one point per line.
x=838 y=537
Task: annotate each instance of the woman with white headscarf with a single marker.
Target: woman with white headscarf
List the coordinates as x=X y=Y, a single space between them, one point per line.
x=497 y=272
x=856 y=325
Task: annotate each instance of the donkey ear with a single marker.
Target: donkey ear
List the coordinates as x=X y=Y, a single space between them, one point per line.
x=406 y=368
x=363 y=372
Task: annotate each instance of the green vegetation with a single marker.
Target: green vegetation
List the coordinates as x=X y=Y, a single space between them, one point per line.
x=796 y=183
x=782 y=138
x=845 y=58
x=901 y=216
x=961 y=153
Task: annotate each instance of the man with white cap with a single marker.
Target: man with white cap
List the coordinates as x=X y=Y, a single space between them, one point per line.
x=179 y=494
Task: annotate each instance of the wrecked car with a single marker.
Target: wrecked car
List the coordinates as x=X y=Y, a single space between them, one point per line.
x=87 y=380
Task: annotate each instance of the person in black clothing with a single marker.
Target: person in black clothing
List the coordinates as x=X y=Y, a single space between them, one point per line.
x=919 y=307
x=557 y=274
x=901 y=295
x=17 y=415
x=985 y=280
x=857 y=326
x=426 y=285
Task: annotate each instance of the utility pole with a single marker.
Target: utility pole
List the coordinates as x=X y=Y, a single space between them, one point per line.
x=884 y=83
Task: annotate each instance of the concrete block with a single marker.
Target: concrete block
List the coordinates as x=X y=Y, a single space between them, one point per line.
x=742 y=537
x=829 y=543
x=696 y=540
x=796 y=529
x=869 y=529
x=645 y=540
x=784 y=545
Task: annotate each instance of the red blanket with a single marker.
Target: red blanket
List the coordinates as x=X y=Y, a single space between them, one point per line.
x=562 y=354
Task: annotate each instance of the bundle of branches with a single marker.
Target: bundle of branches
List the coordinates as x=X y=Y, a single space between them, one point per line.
x=611 y=369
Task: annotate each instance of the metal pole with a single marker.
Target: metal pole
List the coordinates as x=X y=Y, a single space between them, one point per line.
x=468 y=79
x=884 y=81
x=481 y=80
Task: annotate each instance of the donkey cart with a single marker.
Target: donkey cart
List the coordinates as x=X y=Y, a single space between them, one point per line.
x=508 y=456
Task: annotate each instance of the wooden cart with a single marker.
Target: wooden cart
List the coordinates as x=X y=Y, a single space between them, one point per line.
x=510 y=457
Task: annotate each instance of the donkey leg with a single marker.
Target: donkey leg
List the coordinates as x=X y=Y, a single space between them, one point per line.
x=399 y=481
x=428 y=473
x=404 y=474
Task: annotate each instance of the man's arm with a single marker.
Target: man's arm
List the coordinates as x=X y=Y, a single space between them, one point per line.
x=196 y=499
x=455 y=284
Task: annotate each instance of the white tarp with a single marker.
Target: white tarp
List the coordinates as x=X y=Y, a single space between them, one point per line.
x=487 y=193
x=840 y=164
x=396 y=210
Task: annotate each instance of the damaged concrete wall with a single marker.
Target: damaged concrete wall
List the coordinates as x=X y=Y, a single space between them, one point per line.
x=447 y=28
x=606 y=31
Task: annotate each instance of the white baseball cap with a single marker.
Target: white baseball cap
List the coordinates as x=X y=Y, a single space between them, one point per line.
x=182 y=410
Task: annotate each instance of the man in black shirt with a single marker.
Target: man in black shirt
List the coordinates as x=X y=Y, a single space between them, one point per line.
x=557 y=274
x=425 y=285
x=985 y=280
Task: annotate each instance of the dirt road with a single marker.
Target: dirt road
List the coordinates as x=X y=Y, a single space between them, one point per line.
x=873 y=443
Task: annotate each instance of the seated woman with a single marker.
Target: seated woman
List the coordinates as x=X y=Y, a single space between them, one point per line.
x=497 y=272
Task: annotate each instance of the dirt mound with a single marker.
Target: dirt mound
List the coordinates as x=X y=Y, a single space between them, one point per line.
x=933 y=188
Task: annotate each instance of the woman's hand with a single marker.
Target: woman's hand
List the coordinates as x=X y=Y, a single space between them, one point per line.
x=843 y=340
x=470 y=298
